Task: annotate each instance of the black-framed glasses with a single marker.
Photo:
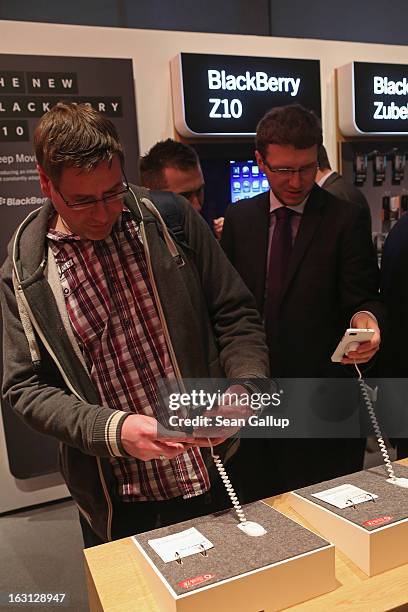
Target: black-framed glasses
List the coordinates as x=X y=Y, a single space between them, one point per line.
x=111 y=197
x=303 y=171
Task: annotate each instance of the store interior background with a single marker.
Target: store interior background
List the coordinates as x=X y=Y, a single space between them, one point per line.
x=43 y=545
x=334 y=33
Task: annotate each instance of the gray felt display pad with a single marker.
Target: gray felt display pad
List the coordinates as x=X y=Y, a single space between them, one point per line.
x=234 y=553
x=392 y=500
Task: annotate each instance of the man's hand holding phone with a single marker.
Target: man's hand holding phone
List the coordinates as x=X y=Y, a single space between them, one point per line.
x=365 y=349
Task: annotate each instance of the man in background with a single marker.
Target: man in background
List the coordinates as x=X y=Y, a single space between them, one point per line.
x=174 y=166
x=308 y=259
x=329 y=180
x=394 y=289
x=334 y=183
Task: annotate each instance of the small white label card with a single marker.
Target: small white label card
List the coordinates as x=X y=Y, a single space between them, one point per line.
x=184 y=543
x=345 y=496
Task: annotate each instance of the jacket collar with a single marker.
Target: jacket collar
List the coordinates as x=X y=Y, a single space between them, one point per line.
x=29 y=243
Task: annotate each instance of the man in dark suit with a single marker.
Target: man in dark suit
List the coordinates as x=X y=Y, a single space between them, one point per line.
x=308 y=259
x=337 y=185
x=394 y=289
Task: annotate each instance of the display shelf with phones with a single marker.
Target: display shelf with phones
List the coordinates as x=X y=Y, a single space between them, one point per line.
x=378 y=169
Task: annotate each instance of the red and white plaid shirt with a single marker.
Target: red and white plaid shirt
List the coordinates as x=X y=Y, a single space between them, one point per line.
x=111 y=308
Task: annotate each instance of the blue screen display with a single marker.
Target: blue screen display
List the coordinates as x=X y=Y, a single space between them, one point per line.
x=246 y=180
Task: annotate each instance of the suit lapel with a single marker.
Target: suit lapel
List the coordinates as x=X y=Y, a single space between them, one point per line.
x=310 y=222
x=259 y=247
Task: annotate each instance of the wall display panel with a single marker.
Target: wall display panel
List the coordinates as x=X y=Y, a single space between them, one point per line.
x=226 y=95
x=246 y=180
x=216 y=162
x=378 y=169
x=373 y=99
x=29 y=86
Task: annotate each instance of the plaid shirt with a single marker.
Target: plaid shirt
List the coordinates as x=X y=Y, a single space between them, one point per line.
x=111 y=308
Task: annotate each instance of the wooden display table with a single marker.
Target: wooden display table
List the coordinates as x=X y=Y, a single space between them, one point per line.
x=115 y=582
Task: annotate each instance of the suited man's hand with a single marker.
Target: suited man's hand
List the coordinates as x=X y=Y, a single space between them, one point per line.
x=366 y=350
x=218 y=224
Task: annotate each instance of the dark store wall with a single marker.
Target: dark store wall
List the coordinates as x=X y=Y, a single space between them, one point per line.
x=225 y=16
x=371 y=21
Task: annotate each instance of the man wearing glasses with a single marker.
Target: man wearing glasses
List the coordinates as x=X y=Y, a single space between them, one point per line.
x=308 y=259
x=174 y=166
x=99 y=306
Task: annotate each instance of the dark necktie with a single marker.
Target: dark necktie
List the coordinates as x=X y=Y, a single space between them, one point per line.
x=279 y=255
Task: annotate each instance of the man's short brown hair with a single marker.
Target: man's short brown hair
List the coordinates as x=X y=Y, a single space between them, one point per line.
x=288 y=125
x=74 y=135
x=165 y=154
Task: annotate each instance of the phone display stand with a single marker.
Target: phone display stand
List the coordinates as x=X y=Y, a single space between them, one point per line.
x=373 y=534
x=287 y=565
x=251 y=528
x=370 y=397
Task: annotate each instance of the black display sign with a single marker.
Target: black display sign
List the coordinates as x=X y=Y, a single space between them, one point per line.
x=379 y=99
x=30 y=106
x=226 y=95
x=29 y=86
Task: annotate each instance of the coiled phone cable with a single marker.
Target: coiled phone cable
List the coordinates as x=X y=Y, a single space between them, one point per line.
x=369 y=397
x=227 y=483
x=251 y=528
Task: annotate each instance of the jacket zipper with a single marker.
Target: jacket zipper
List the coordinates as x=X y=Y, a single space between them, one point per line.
x=85 y=514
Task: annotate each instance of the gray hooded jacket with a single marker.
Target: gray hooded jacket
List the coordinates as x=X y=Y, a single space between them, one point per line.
x=208 y=317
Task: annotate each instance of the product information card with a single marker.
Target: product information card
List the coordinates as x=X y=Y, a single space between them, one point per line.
x=181 y=544
x=345 y=496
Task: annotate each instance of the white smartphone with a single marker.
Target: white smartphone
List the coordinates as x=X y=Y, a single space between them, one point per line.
x=352 y=338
